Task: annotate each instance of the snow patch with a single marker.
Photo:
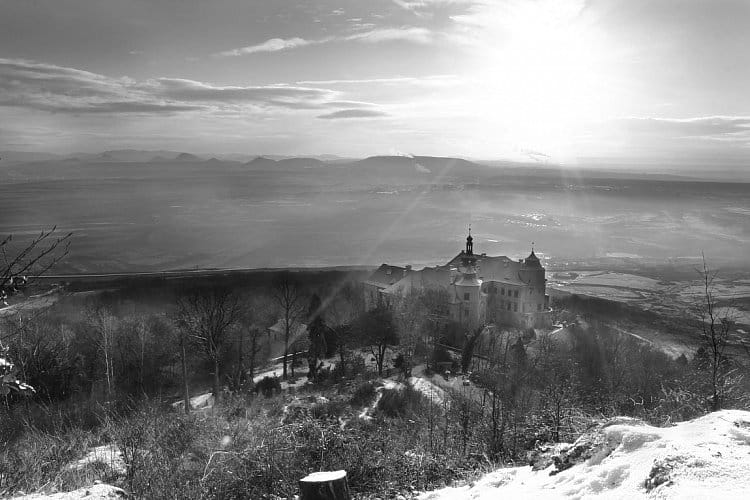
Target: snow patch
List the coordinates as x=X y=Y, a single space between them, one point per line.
x=708 y=457
x=324 y=476
x=203 y=401
x=429 y=390
x=107 y=454
x=94 y=492
x=387 y=384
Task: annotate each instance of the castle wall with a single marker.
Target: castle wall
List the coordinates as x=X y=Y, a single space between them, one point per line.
x=507 y=292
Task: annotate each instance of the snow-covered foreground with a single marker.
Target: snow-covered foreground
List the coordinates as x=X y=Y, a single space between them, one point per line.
x=708 y=457
x=94 y=492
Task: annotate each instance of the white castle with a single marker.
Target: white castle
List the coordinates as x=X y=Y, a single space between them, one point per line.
x=481 y=289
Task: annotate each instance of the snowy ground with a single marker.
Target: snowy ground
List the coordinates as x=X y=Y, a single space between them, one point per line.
x=94 y=492
x=705 y=458
x=107 y=454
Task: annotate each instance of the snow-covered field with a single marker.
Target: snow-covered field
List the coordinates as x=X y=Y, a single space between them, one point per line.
x=706 y=458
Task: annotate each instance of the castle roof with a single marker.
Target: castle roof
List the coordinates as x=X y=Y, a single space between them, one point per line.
x=429 y=277
x=386 y=275
x=468 y=279
x=477 y=269
x=532 y=260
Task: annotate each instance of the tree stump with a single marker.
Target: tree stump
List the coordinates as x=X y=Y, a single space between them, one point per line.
x=330 y=485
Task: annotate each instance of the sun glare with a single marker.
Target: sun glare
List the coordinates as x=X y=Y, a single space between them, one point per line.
x=539 y=74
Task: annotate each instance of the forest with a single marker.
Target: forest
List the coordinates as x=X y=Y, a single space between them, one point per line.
x=302 y=378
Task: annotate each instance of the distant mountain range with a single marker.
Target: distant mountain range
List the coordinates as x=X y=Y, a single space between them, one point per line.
x=143 y=156
x=384 y=168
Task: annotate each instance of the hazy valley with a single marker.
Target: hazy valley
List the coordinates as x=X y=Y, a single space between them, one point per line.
x=303 y=212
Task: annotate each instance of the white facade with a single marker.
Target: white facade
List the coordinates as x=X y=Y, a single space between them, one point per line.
x=481 y=289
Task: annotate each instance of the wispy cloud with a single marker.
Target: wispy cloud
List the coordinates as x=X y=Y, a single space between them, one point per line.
x=409 y=34
x=354 y=113
x=271 y=95
x=272 y=45
x=717 y=128
x=428 y=8
x=437 y=80
x=378 y=35
x=423 y=4
x=46 y=87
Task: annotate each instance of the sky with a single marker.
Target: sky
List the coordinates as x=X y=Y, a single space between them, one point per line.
x=550 y=80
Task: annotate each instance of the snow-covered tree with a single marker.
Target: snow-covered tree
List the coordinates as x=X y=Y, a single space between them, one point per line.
x=19 y=266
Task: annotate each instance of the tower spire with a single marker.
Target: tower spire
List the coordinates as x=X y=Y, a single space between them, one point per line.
x=469 y=243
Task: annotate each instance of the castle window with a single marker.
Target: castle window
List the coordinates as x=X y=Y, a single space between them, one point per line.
x=515 y=307
x=466 y=312
x=509 y=306
x=502 y=291
x=466 y=296
x=515 y=293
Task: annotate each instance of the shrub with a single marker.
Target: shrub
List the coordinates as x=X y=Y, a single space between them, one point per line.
x=363 y=395
x=330 y=409
x=153 y=443
x=267 y=386
x=38 y=459
x=399 y=402
x=357 y=365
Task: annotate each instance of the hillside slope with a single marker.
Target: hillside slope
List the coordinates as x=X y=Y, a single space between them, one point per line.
x=708 y=457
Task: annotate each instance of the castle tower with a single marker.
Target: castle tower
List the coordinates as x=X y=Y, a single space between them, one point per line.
x=533 y=275
x=468 y=290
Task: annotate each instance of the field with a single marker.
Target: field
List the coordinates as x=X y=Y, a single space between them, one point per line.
x=171 y=215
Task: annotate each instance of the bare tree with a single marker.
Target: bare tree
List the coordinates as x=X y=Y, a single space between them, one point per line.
x=556 y=392
x=18 y=267
x=470 y=342
x=288 y=294
x=105 y=325
x=207 y=316
x=316 y=333
x=31 y=261
x=255 y=321
x=410 y=317
x=376 y=329
x=716 y=327
x=342 y=306
x=183 y=339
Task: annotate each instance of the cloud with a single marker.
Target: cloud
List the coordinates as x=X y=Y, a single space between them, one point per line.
x=410 y=34
x=379 y=35
x=431 y=8
x=429 y=80
x=717 y=128
x=273 y=95
x=416 y=5
x=353 y=113
x=272 y=45
x=46 y=87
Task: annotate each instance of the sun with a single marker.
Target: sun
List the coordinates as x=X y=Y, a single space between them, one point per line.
x=539 y=67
